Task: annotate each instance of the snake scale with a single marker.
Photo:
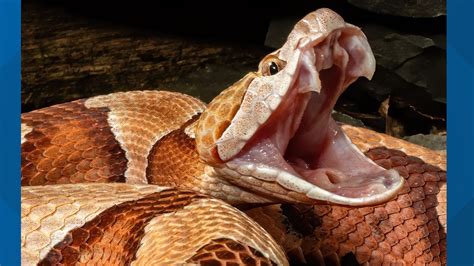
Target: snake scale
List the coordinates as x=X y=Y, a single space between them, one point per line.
x=262 y=175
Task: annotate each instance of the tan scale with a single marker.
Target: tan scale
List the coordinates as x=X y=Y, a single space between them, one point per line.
x=217 y=117
x=210 y=183
x=25 y=129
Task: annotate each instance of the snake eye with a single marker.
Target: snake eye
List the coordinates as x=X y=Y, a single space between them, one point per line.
x=271 y=65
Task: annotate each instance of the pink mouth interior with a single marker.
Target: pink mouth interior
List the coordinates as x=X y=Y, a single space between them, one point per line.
x=301 y=137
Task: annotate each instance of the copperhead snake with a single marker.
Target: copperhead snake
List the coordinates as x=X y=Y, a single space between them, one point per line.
x=150 y=177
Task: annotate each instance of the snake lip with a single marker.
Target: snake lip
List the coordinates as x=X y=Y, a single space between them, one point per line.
x=302 y=148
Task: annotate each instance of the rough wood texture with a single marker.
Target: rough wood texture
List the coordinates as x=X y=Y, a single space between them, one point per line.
x=66 y=56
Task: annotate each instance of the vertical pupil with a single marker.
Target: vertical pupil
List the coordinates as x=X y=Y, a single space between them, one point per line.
x=273 y=68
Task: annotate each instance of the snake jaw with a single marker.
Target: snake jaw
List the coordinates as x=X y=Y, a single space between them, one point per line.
x=283 y=132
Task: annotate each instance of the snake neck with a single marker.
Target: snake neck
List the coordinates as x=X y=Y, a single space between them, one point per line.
x=175 y=162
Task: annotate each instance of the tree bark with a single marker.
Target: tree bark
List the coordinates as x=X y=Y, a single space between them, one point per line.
x=66 y=56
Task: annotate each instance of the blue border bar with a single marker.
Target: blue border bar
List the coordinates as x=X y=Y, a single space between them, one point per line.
x=460 y=132
x=10 y=61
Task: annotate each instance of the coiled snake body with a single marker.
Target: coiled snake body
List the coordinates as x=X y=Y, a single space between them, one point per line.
x=149 y=177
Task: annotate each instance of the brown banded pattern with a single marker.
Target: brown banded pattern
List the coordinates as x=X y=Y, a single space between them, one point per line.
x=200 y=223
x=410 y=229
x=69 y=143
x=116 y=224
x=48 y=213
x=139 y=119
x=113 y=236
x=102 y=139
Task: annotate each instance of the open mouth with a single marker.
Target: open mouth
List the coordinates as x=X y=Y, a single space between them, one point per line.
x=302 y=147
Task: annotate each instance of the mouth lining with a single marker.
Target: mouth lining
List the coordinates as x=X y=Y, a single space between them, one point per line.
x=303 y=148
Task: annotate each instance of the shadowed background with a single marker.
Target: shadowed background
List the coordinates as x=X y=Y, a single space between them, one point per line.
x=84 y=48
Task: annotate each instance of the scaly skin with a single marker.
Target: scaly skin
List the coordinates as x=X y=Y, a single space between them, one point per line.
x=423 y=210
x=408 y=230
x=117 y=224
x=218 y=117
x=148 y=138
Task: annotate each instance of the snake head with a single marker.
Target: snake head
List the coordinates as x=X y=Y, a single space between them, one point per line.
x=272 y=132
